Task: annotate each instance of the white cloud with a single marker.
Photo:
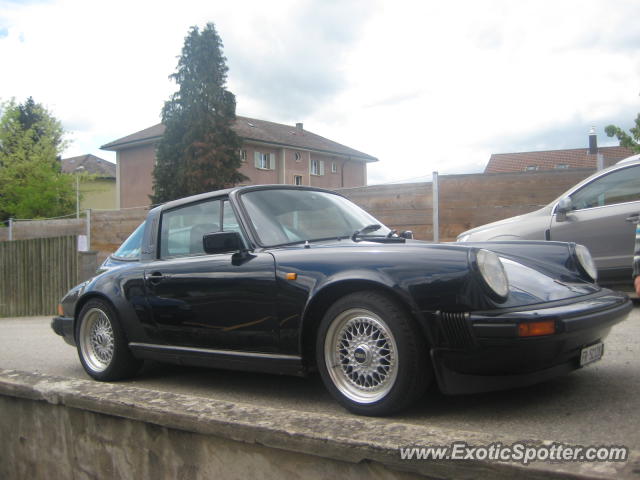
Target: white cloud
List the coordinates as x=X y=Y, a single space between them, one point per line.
x=422 y=85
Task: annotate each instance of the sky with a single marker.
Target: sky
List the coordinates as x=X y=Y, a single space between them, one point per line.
x=422 y=85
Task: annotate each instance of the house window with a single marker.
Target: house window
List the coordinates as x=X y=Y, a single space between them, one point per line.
x=297 y=179
x=562 y=166
x=317 y=167
x=264 y=161
x=243 y=156
x=298 y=157
x=531 y=168
x=334 y=167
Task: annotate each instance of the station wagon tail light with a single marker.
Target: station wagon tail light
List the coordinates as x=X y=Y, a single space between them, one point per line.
x=536 y=329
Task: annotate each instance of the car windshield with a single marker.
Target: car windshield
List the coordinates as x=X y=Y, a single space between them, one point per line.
x=291 y=216
x=130 y=249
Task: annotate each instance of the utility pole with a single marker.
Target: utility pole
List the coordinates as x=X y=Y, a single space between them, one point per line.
x=78 y=171
x=435 y=208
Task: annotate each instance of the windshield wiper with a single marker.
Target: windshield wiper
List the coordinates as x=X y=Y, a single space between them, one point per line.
x=364 y=230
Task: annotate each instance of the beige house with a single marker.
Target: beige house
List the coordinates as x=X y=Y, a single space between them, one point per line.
x=271 y=153
x=98 y=191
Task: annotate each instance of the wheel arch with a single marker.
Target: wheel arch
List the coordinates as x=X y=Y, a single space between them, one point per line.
x=325 y=297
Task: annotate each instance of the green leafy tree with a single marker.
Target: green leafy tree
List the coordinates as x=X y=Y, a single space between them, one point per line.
x=199 y=150
x=31 y=182
x=630 y=141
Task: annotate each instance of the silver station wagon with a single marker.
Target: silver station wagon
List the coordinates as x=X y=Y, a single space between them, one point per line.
x=599 y=212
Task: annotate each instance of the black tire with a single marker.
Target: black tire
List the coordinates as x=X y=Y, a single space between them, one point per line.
x=379 y=356
x=102 y=345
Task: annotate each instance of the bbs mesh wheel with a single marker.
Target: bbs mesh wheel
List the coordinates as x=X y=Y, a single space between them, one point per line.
x=102 y=346
x=370 y=354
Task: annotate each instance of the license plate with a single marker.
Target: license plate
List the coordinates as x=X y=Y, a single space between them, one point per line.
x=591 y=354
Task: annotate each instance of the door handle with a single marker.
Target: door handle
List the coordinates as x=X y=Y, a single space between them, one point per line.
x=635 y=218
x=155 y=278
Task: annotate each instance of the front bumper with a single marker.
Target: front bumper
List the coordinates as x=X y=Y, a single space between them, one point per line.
x=482 y=351
x=63 y=326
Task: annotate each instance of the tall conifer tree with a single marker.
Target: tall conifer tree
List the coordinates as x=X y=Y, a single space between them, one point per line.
x=199 y=150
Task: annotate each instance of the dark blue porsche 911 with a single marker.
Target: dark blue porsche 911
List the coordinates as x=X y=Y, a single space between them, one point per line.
x=289 y=280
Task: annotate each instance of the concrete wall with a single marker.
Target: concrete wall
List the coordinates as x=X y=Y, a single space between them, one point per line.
x=57 y=442
x=466 y=201
x=55 y=427
x=110 y=228
x=44 y=229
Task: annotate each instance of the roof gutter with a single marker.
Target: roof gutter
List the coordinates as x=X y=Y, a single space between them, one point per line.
x=114 y=147
x=146 y=141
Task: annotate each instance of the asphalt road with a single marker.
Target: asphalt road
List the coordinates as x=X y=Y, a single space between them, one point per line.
x=597 y=405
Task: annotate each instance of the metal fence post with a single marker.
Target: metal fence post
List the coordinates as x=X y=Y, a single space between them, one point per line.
x=435 y=208
x=88 y=222
x=10 y=228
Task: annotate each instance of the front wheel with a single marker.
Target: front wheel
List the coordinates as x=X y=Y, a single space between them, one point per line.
x=102 y=346
x=370 y=354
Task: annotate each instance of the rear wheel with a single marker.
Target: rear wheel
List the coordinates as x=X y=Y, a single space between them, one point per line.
x=370 y=354
x=102 y=346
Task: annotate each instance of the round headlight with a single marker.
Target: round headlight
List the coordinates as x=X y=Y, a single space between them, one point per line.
x=492 y=272
x=586 y=262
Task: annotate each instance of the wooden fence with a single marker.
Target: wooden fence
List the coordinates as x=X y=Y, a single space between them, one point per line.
x=35 y=274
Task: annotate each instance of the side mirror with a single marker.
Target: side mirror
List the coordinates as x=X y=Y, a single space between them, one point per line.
x=408 y=234
x=222 y=242
x=564 y=206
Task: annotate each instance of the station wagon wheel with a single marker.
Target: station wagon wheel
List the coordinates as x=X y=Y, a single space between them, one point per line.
x=370 y=355
x=102 y=346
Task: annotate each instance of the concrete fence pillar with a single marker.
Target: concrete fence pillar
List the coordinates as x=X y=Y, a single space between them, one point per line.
x=436 y=212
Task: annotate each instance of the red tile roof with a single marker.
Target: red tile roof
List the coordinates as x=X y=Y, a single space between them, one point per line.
x=252 y=129
x=554 y=159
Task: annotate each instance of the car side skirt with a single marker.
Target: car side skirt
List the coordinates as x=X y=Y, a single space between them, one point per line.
x=226 y=359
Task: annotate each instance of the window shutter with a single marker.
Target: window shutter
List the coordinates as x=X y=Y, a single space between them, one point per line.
x=321 y=167
x=272 y=161
x=256 y=159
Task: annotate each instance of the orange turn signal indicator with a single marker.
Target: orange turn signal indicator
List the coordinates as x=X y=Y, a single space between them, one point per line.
x=291 y=276
x=536 y=329
x=60 y=311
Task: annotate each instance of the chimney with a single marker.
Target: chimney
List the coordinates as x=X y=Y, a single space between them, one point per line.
x=299 y=127
x=593 y=148
x=593 y=141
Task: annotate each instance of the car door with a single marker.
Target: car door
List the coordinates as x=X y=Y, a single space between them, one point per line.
x=602 y=218
x=219 y=301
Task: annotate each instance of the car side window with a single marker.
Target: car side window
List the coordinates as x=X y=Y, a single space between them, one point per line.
x=130 y=248
x=182 y=228
x=616 y=187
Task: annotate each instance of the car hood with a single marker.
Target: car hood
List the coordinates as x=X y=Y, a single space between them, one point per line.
x=425 y=268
